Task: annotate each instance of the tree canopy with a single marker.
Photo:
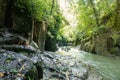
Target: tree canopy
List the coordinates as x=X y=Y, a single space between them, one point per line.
x=92 y=19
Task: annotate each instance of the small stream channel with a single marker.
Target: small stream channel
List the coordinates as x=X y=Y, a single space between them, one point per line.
x=108 y=67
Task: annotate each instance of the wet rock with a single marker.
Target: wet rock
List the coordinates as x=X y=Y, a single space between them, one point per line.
x=19 y=61
x=95 y=76
x=58 y=67
x=20 y=48
x=13 y=64
x=16 y=43
x=10 y=38
x=16 y=66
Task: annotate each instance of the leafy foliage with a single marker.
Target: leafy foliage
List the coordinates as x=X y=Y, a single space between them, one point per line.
x=38 y=10
x=106 y=13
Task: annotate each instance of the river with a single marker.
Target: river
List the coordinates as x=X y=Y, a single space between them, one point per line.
x=106 y=66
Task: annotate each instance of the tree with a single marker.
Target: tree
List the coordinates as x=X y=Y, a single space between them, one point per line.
x=98 y=22
x=8 y=21
x=95 y=12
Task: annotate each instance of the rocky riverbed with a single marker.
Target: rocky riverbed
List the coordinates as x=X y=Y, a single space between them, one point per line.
x=19 y=61
x=59 y=67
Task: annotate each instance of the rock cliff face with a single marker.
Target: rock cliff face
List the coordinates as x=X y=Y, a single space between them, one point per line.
x=102 y=44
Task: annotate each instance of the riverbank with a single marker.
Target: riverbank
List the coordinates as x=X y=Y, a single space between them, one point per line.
x=20 y=61
x=66 y=67
x=106 y=66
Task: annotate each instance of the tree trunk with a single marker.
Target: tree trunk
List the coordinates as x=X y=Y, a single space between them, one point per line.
x=95 y=12
x=40 y=31
x=117 y=16
x=53 y=2
x=2 y=12
x=8 y=22
x=42 y=36
x=32 y=32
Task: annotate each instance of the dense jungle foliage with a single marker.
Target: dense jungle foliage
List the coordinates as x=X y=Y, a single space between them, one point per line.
x=97 y=30
x=99 y=26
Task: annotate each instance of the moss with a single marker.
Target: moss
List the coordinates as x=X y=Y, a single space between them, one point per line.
x=115 y=51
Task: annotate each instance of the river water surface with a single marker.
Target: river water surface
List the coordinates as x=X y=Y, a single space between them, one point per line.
x=108 y=67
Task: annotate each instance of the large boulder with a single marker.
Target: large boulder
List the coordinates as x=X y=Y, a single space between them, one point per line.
x=16 y=58
x=16 y=66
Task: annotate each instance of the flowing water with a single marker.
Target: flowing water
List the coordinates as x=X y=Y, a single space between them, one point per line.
x=108 y=67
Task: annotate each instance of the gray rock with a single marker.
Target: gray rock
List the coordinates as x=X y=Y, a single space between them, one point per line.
x=16 y=66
